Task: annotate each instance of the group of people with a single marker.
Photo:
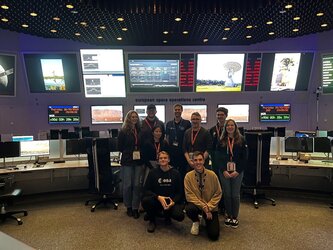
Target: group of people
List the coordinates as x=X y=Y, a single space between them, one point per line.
x=172 y=164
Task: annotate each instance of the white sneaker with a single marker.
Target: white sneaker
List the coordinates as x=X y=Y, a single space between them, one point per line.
x=195 y=228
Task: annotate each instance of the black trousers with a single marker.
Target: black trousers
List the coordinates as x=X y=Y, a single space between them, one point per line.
x=212 y=226
x=153 y=208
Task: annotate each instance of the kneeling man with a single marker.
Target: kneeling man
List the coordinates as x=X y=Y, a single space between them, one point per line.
x=162 y=193
x=203 y=193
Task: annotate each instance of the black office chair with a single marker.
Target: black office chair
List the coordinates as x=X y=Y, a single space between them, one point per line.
x=102 y=180
x=7 y=198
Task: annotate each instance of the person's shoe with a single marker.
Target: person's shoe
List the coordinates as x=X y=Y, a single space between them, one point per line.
x=129 y=212
x=195 y=228
x=146 y=217
x=136 y=214
x=151 y=227
x=167 y=221
x=227 y=222
x=234 y=223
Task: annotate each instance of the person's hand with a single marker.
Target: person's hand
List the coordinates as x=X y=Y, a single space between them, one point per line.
x=162 y=200
x=209 y=215
x=226 y=174
x=171 y=204
x=191 y=163
x=234 y=174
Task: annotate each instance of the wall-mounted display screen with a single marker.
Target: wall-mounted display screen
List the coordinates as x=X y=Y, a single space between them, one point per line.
x=103 y=72
x=153 y=73
x=285 y=71
x=22 y=138
x=237 y=112
x=274 y=112
x=186 y=82
x=327 y=73
x=52 y=73
x=189 y=109
x=7 y=75
x=141 y=110
x=106 y=114
x=219 y=72
x=67 y=114
x=252 y=75
x=35 y=148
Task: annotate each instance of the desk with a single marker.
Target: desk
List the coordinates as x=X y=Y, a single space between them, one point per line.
x=9 y=243
x=314 y=168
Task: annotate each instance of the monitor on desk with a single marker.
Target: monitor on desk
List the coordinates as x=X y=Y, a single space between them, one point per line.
x=23 y=138
x=9 y=149
x=305 y=133
x=322 y=145
x=34 y=148
x=75 y=147
x=299 y=144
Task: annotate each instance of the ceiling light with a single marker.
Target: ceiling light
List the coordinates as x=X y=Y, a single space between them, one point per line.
x=165 y=41
x=205 y=40
x=185 y=32
x=324 y=25
x=227 y=28
x=234 y=19
x=248 y=37
x=77 y=34
x=271 y=33
x=69 y=6
x=224 y=38
x=100 y=37
x=178 y=19
x=269 y=22
x=296 y=18
x=5 y=7
x=165 y=32
x=4 y=19
x=124 y=29
x=102 y=27
x=74 y=12
x=320 y=14
x=249 y=27
x=120 y=19
x=288 y=6
x=53 y=31
x=33 y=14
x=119 y=38
x=295 y=30
x=56 y=18
x=83 y=23
x=25 y=25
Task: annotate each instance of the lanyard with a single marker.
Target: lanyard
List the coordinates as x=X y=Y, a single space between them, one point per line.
x=194 y=137
x=176 y=127
x=157 y=148
x=149 y=124
x=217 y=131
x=231 y=147
x=135 y=136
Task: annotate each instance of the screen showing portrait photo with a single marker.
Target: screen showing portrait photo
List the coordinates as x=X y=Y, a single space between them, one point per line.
x=274 y=112
x=52 y=73
x=106 y=114
x=153 y=73
x=35 y=148
x=189 y=109
x=237 y=112
x=141 y=110
x=103 y=72
x=219 y=72
x=7 y=75
x=285 y=71
x=68 y=114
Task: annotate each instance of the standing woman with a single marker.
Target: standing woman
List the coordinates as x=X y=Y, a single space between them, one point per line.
x=231 y=155
x=132 y=169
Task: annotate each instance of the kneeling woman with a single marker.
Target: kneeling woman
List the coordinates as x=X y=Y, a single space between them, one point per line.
x=162 y=193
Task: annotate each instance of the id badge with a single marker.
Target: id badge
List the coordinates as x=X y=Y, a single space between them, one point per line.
x=136 y=155
x=175 y=143
x=231 y=166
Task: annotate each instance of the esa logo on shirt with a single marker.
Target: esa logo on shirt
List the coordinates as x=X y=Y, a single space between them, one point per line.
x=160 y=180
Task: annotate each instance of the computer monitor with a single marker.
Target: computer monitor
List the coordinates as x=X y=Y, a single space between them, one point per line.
x=9 y=149
x=34 y=148
x=75 y=147
x=305 y=133
x=22 y=138
x=299 y=144
x=322 y=145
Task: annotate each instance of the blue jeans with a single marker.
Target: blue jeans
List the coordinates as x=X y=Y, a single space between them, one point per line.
x=231 y=192
x=132 y=183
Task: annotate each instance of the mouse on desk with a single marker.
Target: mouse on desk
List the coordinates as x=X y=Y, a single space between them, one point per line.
x=16 y=168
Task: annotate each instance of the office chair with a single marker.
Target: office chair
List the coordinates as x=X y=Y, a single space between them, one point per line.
x=7 y=198
x=102 y=180
x=257 y=175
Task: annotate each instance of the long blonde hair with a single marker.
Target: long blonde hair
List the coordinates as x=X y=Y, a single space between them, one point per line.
x=127 y=122
x=238 y=138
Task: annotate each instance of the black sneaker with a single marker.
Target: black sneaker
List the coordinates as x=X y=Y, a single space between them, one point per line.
x=151 y=227
x=234 y=223
x=227 y=222
x=136 y=214
x=129 y=212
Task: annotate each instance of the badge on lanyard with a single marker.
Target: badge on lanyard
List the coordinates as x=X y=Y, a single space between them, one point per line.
x=136 y=155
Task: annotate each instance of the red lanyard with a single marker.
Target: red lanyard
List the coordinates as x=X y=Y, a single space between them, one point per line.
x=135 y=136
x=149 y=124
x=231 y=147
x=157 y=148
x=194 y=137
